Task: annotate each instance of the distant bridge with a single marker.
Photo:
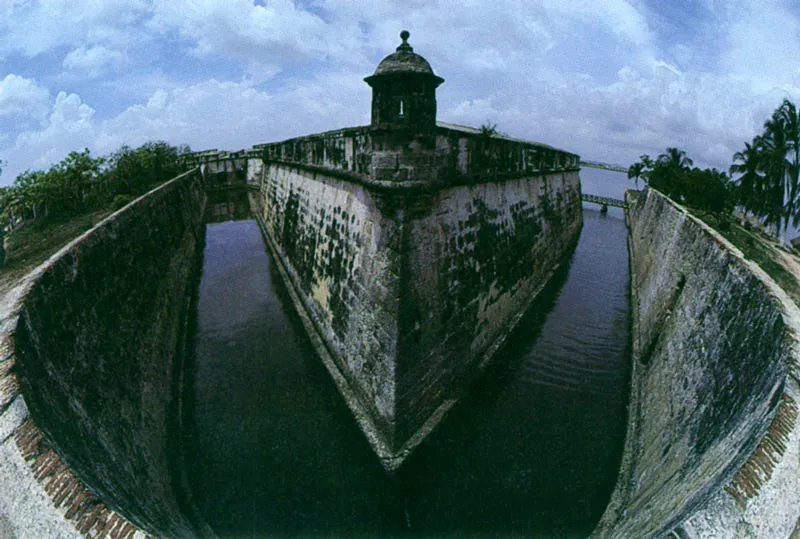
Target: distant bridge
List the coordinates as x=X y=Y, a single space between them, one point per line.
x=605 y=202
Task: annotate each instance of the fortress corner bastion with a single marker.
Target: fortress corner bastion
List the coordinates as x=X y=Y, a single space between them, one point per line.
x=413 y=247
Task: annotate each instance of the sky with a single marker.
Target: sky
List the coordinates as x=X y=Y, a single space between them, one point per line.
x=609 y=80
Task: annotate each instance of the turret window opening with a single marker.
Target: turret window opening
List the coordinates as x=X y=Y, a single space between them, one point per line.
x=401 y=108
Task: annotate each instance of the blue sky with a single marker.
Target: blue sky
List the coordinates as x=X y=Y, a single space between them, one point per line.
x=608 y=79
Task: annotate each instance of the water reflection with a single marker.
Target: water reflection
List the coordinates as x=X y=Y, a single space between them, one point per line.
x=533 y=451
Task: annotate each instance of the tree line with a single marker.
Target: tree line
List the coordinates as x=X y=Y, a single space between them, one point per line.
x=82 y=183
x=673 y=174
x=766 y=170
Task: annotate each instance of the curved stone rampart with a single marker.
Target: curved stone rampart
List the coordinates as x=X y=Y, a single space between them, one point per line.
x=91 y=346
x=712 y=444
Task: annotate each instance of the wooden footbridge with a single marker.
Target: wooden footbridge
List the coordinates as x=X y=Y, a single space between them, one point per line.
x=604 y=202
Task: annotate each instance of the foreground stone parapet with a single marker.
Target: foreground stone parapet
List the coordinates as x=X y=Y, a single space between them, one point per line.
x=445 y=156
x=712 y=444
x=93 y=340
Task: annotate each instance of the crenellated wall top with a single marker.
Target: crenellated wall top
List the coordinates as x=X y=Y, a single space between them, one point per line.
x=449 y=155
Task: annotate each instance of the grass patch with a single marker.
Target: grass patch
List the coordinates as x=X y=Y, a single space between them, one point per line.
x=34 y=243
x=756 y=248
x=38 y=240
x=763 y=254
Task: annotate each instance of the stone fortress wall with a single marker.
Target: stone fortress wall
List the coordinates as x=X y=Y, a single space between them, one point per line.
x=411 y=249
x=91 y=377
x=90 y=383
x=414 y=261
x=712 y=445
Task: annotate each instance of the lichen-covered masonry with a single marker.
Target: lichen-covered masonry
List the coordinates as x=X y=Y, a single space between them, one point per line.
x=413 y=255
x=712 y=443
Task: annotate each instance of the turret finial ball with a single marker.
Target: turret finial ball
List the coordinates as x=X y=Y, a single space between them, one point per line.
x=404 y=35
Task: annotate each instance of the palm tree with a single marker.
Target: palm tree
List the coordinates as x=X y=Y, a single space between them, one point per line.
x=636 y=171
x=769 y=185
x=776 y=196
x=791 y=125
x=750 y=184
x=676 y=158
x=669 y=173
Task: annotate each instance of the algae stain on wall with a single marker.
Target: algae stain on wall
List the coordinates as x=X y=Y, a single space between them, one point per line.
x=410 y=288
x=713 y=341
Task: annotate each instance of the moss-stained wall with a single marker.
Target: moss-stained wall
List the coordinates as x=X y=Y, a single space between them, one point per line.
x=712 y=432
x=410 y=288
x=97 y=356
x=476 y=257
x=341 y=252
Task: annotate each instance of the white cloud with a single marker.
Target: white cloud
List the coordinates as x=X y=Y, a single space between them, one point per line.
x=609 y=80
x=761 y=48
x=34 y=27
x=203 y=115
x=92 y=62
x=225 y=114
x=22 y=97
x=274 y=35
x=619 y=16
x=209 y=114
x=639 y=111
x=69 y=126
x=70 y=112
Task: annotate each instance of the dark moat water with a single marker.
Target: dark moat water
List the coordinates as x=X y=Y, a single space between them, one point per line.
x=533 y=451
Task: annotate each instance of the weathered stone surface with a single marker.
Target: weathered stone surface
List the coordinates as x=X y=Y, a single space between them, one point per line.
x=12 y=418
x=473 y=259
x=413 y=284
x=96 y=355
x=449 y=155
x=26 y=510
x=57 y=498
x=341 y=254
x=712 y=430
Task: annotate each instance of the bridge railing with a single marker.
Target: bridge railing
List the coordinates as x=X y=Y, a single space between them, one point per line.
x=603 y=201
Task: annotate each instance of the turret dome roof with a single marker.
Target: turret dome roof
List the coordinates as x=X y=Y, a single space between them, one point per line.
x=404 y=61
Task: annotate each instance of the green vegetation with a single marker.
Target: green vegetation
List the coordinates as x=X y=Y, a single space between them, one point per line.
x=672 y=173
x=756 y=247
x=764 y=255
x=489 y=129
x=44 y=209
x=31 y=245
x=768 y=170
x=766 y=186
